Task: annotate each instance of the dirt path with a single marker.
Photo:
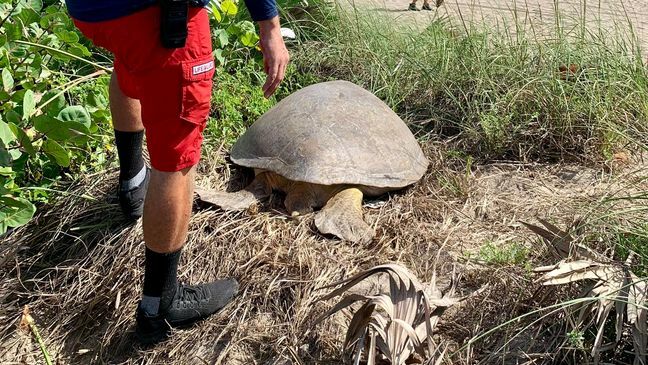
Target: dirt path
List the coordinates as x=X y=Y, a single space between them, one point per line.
x=541 y=14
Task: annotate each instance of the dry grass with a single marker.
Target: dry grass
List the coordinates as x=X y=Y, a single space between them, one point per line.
x=79 y=269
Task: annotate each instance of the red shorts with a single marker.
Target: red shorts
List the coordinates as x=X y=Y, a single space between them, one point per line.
x=173 y=85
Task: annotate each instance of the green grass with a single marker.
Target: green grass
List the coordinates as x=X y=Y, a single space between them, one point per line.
x=510 y=254
x=635 y=241
x=503 y=93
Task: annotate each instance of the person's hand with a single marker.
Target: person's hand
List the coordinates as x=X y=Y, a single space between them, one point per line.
x=275 y=54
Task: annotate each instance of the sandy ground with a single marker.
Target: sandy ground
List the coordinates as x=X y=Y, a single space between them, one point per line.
x=539 y=14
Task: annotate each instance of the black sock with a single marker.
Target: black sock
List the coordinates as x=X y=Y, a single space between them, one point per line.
x=129 y=149
x=161 y=276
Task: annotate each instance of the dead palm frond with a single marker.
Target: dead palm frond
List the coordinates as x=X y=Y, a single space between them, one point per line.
x=392 y=325
x=615 y=287
x=561 y=243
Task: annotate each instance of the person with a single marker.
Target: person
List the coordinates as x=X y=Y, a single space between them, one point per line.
x=164 y=92
x=426 y=6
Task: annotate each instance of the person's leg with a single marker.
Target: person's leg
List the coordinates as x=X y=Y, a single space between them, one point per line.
x=165 y=234
x=175 y=93
x=126 y=111
x=129 y=132
x=171 y=193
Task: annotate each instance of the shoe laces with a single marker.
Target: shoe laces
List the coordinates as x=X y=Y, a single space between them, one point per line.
x=193 y=294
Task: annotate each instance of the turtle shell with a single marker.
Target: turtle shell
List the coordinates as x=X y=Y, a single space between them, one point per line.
x=333 y=133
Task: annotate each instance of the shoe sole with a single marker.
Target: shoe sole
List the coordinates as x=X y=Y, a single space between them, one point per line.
x=152 y=338
x=156 y=337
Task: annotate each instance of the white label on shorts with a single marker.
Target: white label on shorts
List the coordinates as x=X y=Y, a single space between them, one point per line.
x=200 y=69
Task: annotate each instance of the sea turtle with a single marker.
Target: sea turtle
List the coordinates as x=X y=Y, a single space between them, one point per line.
x=326 y=145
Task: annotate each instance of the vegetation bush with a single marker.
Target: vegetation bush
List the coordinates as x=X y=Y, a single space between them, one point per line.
x=507 y=93
x=50 y=128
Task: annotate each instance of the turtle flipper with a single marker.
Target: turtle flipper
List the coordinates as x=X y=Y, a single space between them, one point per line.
x=342 y=217
x=238 y=200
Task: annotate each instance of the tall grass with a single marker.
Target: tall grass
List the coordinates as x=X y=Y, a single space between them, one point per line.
x=508 y=93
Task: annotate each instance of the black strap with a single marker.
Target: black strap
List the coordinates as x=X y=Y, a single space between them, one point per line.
x=173 y=23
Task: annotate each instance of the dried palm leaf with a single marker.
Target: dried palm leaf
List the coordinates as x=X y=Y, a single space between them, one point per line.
x=616 y=287
x=394 y=325
x=561 y=243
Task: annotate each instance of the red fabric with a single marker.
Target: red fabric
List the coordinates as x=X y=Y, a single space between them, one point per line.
x=173 y=85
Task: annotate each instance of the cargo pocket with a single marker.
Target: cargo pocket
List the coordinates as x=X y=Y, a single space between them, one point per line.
x=196 y=90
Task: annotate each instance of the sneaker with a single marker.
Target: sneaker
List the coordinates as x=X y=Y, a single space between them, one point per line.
x=426 y=6
x=132 y=201
x=412 y=6
x=190 y=304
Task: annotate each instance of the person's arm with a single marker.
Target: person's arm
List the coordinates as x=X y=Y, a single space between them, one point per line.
x=275 y=54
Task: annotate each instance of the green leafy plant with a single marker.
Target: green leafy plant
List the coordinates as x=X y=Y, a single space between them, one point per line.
x=235 y=39
x=511 y=254
x=237 y=103
x=47 y=128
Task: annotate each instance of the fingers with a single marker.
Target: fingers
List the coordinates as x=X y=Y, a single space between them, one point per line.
x=280 y=76
x=272 y=70
x=276 y=70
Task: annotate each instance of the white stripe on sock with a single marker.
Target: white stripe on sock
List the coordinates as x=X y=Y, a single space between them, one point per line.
x=135 y=181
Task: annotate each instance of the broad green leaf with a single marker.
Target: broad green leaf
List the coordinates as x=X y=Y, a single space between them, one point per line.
x=75 y=113
x=61 y=131
x=23 y=139
x=12 y=117
x=246 y=26
x=249 y=39
x=57 y=152
x=13 y=31
x=5 y=157
x=53 y=9
x=51 y=19
x=17 y=96
x=216 y=13
x=7 y=80
x=229 y=7
x=67 y=36
x=35 y=5
x=15 y=154
x=3 y=40
x=28 y=16
x=79 y=50
x=7 y=172
x=99 y=116
x=223 y=37
x=218 y=54
x=234 y=30
x=29 y=104
x=36 y=63
x=97 y=100
x=6 y=135
x=15 y=212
